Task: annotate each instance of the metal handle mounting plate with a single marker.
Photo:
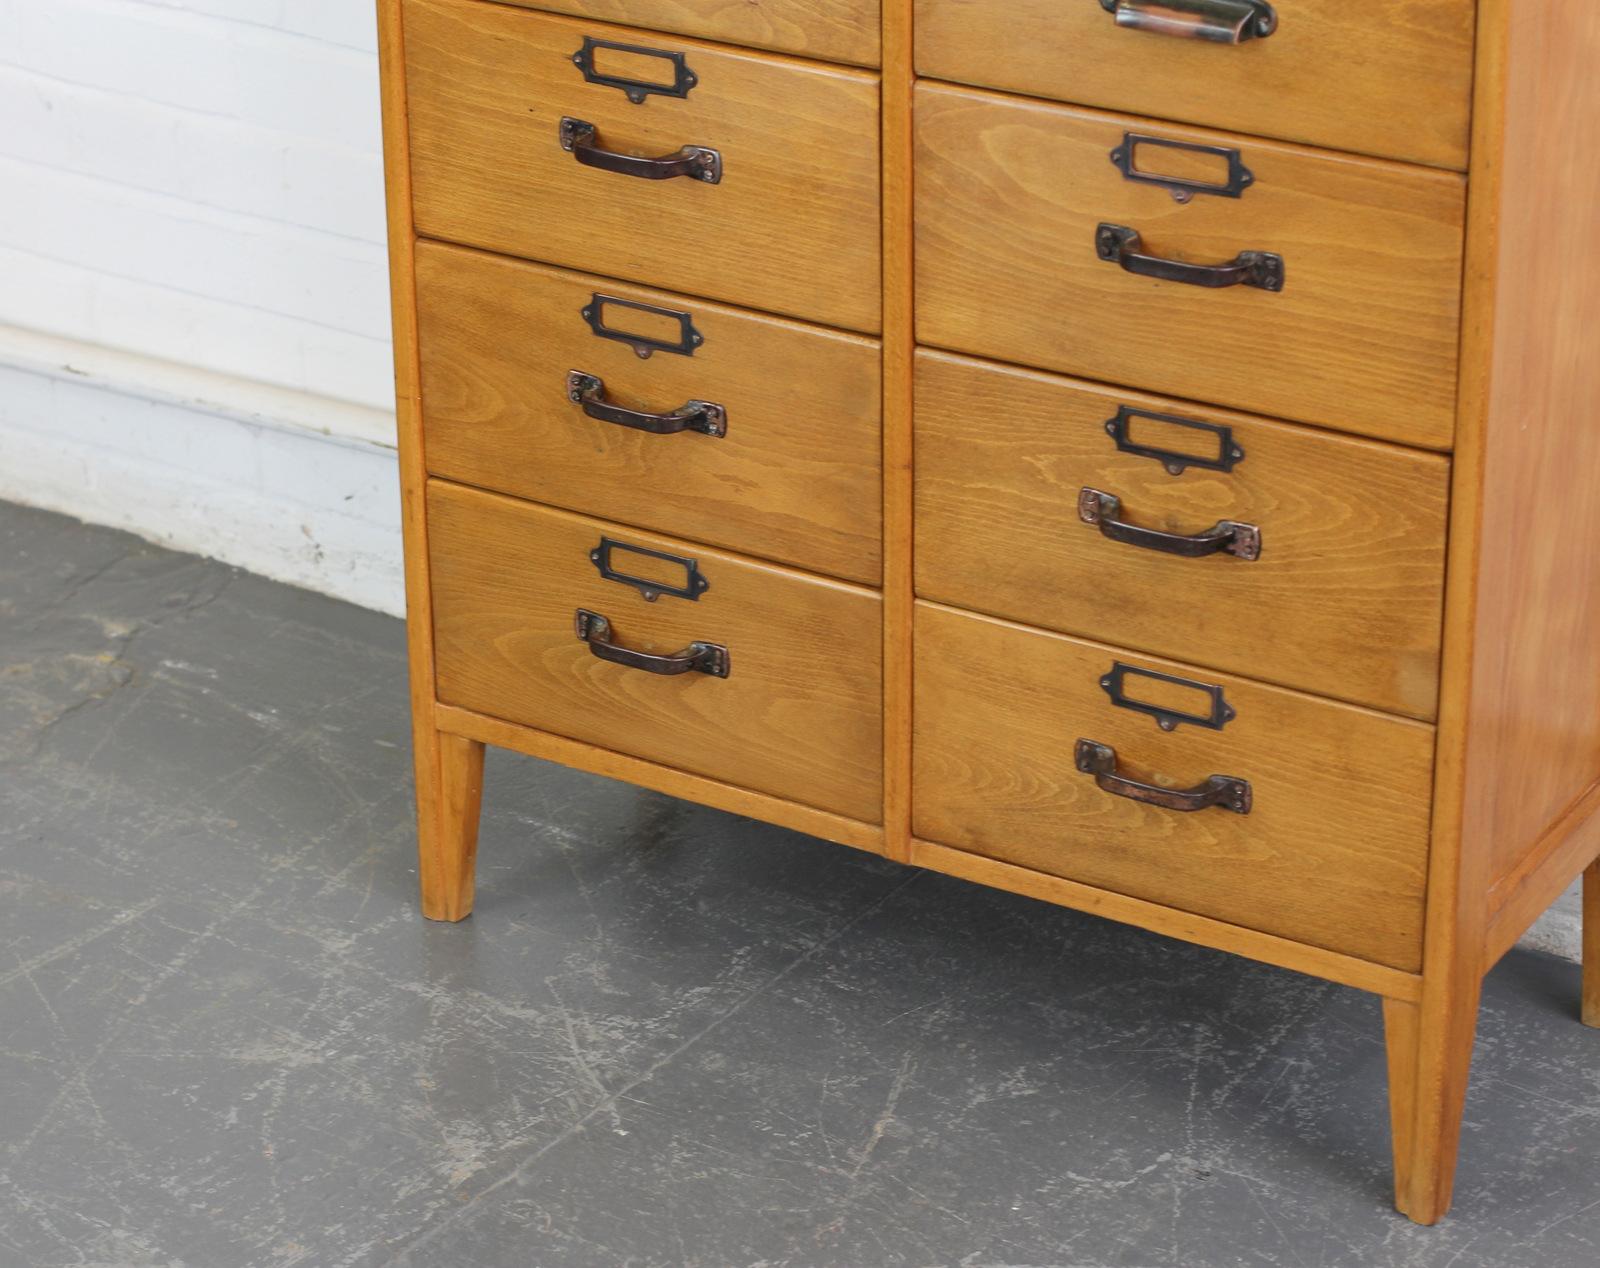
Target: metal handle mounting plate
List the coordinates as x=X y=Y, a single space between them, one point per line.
x=703 y=658
x=581 y=139
x=1226 y=537
x=589 y=391
x=1121 y=245
x=1225 y=792
x=1216 y=21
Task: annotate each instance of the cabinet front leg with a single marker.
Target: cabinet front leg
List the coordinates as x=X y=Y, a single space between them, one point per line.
x=1446 y=1028
x=1591 y=945
x=447 y=838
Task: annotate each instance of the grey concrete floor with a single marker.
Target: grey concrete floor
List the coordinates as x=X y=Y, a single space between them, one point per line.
x=668 y=1036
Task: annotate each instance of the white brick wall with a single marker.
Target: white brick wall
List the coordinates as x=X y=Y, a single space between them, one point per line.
x=198 y=183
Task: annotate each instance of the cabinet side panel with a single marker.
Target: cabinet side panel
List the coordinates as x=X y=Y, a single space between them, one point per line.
x=1534 y=715
x=402 y=285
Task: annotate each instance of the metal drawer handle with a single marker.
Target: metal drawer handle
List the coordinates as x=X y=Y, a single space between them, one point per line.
x=589 y=391
x=703 y=658
x=1219 y=21
x=582 y=141
x=1222 y=791
x=1227 y=537
x=1120 y=245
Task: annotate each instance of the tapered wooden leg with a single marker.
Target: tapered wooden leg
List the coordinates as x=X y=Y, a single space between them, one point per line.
x=1401 y=1025
x=1446 y=1026
x=447 y=839
x=1591 y=945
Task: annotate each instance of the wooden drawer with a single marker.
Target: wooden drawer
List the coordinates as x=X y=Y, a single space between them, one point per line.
x=798 y=715
x=833 y=30
x=792 y=226
x=1345 y=599
x=1384 y=77
x=795 y=477
x=1332 y=853
x=1362 y=337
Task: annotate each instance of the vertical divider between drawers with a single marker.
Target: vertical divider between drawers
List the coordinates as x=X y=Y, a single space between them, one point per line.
x=898 y=347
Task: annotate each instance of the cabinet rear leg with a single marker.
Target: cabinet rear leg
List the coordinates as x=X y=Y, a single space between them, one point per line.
x=1591 y=945
x=450 y=795
x=1401 y=1027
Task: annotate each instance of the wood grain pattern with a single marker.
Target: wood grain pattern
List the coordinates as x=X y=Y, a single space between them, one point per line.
x=792 y=228
x=443 y=842
x=1402 y=87
x=1520 y=713
x=1522 y=896
x=899 y=343
x=1285 y=953
x=1363 y=337
x=799 y=717
x=833 y=30
x=663 y=779
x=796 y=479
x=1345 y=600
x=1535 y=723
x=999 y=707
x=1401 y=1032
x=448 y=872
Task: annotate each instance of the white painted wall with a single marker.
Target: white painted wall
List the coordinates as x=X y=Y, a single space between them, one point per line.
x=192 y=239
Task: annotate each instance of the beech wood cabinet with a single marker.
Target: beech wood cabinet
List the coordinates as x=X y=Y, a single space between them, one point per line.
x=1141 y=454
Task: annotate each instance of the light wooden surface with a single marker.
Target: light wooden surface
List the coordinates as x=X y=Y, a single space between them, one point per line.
x=1519 y=722
x=1345 y=600
x=1535 y=723
x=800 y=715
x=833 y=30
x=663 y=779
x=448 y=871
x=1334 y=853
x=1400 y=1033
x=440 y=839
x=1285 y=953
x=1519 y=898
x=792 y=228
x=1384 y=77
x=498 y=338
x=1335 y=871
x=1362 y=338
x=899 y=339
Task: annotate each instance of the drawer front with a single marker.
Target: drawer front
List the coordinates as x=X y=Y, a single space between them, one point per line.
x=833 y=30
x=792 y=226
x=794 y=476
x=1344 y=598
x=798 y=714
x=1401 y=88
x=1332 y=853
x=1362 y=337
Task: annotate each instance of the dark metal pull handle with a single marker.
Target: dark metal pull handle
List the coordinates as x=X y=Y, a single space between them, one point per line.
x=1120 y=245
x=582 y=141
x=1227 y=537
x=703 y=658
x=1219 y=21
x=589 y=391
x=1222 y=791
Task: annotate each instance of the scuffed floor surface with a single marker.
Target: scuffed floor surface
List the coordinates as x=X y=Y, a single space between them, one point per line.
x=668 y=1036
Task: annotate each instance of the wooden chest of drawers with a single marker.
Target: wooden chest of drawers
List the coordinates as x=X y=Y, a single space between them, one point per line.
x=1141 y=454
